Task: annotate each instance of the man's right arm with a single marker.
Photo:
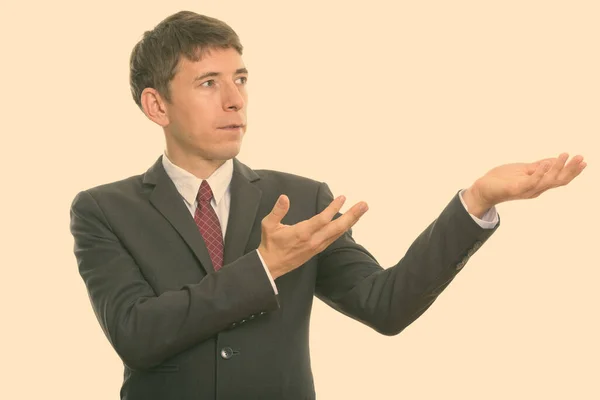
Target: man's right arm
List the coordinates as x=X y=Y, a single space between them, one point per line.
x=145 y=328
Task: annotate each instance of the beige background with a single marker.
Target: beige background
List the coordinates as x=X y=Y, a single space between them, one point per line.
x=400 y=105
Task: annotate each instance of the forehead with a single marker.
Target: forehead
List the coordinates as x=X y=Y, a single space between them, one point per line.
x=225 y=61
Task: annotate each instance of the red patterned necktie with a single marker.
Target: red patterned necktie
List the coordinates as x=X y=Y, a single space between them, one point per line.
x=209 y=225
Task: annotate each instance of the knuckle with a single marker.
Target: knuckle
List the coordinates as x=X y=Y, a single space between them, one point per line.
x=323 y=219
x=303 y=235
x=314 y=244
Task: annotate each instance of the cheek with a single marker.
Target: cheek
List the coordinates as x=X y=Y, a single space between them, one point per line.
x=198 y=121
x=196 y=118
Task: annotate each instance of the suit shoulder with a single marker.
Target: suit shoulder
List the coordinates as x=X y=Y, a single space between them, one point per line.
x=122 y=188
x=286 y=178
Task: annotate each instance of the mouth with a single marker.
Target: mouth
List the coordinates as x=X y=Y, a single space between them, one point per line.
x=232 y=126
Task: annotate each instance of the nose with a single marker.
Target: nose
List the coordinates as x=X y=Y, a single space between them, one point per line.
x=233 y=100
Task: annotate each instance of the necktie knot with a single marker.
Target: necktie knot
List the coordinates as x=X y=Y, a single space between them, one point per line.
x=205 y=193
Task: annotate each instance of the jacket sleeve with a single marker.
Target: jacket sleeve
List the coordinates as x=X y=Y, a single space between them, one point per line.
x=145 y=328
x=350 y=280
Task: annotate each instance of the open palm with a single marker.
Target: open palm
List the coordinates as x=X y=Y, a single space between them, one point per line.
x=527 y=180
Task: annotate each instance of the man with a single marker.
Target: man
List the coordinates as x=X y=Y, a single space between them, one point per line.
x=202 y=271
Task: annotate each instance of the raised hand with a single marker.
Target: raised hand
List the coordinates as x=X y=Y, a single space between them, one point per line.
x=286 y=247
x=518 y=181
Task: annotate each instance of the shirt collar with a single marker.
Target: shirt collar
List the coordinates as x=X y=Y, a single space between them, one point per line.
x=188 y=184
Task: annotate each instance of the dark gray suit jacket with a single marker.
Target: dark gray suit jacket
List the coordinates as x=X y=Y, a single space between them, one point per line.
x=186 y=332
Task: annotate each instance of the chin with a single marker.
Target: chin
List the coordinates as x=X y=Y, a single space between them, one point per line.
x=228 y=152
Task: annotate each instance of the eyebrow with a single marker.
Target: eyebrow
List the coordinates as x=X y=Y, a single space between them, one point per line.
x=211 y=74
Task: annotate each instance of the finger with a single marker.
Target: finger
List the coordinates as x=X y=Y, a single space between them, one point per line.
x=278 y=212
x=558 y=165
x=337 y=227
x=573 y=165
x=312 y=225
x=543 y=160
x=549 y=179
x=534 y=182
x=541 y=170
x=571 y=170
x=532 y=167
x=560 y=174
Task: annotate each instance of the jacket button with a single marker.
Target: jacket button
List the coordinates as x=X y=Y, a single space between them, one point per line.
x=226 y=353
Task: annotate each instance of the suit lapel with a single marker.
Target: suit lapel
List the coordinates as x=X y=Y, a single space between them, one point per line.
x=245 y=199
x=167 y=200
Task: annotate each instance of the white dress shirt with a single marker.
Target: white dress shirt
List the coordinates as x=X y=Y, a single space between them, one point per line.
x=188 y=185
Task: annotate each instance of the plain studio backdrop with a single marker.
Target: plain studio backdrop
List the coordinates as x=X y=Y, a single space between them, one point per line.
x=400 y=104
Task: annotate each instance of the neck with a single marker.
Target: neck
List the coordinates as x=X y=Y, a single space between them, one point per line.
x=200 y=167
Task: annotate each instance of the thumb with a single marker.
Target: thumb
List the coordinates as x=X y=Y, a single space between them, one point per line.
x=278 y=212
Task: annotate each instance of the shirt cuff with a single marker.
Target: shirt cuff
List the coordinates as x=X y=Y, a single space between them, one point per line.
x=268 y=273
x=488 y=220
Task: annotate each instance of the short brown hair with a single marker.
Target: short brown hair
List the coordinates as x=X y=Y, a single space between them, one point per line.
x=154 y=59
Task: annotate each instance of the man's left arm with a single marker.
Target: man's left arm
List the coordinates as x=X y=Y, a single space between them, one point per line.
x=351 y=280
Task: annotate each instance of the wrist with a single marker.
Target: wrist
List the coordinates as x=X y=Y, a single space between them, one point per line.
x=475 y=203
x=268 y=261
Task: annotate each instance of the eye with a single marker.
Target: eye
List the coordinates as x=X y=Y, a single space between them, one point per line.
x=244 y=79
x=209 y=82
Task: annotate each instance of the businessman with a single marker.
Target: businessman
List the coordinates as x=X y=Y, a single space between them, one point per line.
x=202 y=271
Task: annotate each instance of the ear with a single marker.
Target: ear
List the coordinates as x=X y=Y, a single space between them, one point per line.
x=154 y=106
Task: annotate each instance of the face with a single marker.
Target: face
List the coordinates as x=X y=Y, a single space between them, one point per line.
x=206 y=117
